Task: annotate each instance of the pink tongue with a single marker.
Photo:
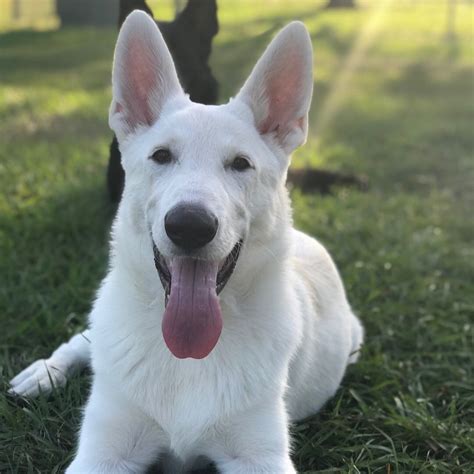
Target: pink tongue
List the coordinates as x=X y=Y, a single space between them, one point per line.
x=192 y=322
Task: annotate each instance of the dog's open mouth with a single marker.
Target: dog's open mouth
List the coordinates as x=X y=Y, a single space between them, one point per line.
x=192 y=322
x=223 y=275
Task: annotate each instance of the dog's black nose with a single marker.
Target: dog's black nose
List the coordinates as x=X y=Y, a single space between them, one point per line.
x=190 y=226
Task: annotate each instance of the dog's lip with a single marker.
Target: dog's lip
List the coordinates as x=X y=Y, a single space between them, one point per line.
x=226 y=268
x=163 y=270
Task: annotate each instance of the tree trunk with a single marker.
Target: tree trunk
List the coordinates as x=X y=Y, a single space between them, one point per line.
x=87 y=12
x=341 y=4
x=127 y=6
x=451 y=19
x=16 y=11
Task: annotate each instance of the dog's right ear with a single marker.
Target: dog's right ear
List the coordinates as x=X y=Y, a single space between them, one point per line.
x=143 y=77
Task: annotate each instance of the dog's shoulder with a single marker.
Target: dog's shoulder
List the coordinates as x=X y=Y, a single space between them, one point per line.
x=309 y=252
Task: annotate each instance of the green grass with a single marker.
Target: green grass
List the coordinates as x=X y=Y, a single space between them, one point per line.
x=404 y=118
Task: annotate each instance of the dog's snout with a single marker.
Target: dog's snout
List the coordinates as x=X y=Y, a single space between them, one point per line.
x=190 y=226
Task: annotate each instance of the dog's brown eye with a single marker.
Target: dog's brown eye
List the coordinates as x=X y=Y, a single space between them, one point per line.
x=161 y=156
x=240 y=163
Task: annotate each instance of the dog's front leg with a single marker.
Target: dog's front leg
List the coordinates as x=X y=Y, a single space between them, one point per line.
x=115 y=437
x=256 y=441
x=44 y=374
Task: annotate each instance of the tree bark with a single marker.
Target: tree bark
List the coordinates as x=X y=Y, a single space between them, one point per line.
x=451 y=19
x=341 y=4
x=87 y=12
x=16 y=11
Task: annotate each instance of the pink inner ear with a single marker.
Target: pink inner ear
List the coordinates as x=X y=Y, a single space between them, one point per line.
x=140 y=80
x=283 y=90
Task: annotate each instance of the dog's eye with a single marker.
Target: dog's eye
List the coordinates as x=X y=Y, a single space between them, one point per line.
x=162 y=156
x=240 y=163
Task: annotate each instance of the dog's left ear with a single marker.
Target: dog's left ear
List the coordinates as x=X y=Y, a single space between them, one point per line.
x=280 y=87
x=143 y=77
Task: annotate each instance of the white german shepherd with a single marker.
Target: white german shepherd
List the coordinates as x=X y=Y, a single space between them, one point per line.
x=217 y=322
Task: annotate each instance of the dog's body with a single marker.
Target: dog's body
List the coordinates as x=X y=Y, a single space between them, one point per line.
x=205 y=210
x=228 y=407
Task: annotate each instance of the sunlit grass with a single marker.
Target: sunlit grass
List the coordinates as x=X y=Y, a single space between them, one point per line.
x=402 y=114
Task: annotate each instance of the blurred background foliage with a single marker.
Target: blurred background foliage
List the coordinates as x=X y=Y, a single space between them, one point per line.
x=44 y=14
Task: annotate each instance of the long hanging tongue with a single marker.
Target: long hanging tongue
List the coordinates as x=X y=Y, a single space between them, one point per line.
x=192 y=322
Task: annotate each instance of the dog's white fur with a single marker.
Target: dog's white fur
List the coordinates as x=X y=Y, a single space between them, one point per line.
x=289 y=331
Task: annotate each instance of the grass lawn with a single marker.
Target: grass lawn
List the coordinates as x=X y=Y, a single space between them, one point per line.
x=394 y=100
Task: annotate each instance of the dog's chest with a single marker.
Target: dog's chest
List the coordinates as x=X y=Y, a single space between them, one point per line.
x=187 y=397
x=184 y=401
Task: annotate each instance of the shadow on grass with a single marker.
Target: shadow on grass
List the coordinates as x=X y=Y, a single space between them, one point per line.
x=54 y=58
x=452 y=46
x=54 y=254
x=23 y=121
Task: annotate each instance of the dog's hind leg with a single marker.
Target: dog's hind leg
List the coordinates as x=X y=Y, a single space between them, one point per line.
x=44 y=374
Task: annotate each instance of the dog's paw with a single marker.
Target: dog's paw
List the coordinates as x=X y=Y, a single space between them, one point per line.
x=40 y=377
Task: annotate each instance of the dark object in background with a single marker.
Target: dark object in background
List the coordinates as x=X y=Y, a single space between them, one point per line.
x=322 y=181
x=127 y=7
x=189 y=38
x=87 y=12
x=340 y=4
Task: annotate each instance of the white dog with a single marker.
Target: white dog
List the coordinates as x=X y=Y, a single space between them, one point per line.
x=217 y=322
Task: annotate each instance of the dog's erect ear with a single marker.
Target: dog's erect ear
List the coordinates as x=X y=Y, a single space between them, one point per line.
x=143 y=78
x=280 y=87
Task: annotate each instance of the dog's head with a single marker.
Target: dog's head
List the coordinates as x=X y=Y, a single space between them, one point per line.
x=200 y=179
